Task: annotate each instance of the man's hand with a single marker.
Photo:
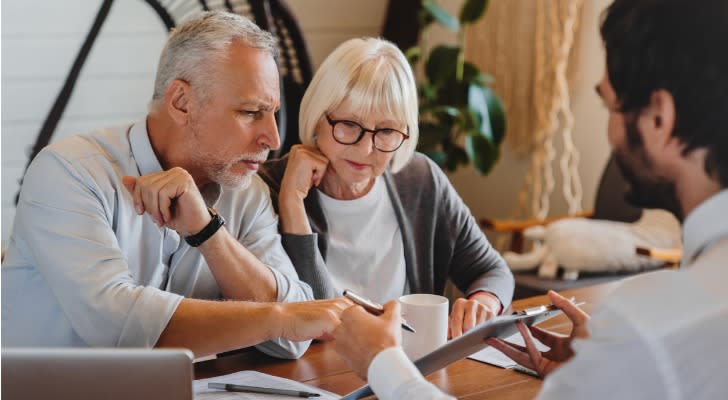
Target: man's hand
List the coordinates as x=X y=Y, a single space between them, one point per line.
x=361 y=336
x=309 y=319
x=171 y=199
x=306 y=167
x=560 y=346
x=467 y=313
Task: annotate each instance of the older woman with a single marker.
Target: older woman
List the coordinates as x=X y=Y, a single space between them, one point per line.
x=360 y=209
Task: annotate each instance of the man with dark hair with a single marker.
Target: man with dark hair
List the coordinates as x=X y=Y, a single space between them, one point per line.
x=659 y=335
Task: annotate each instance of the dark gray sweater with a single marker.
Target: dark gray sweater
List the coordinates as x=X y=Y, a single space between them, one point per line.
x=440 y=236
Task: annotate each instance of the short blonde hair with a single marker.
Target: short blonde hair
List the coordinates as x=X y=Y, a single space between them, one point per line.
x=374 y=77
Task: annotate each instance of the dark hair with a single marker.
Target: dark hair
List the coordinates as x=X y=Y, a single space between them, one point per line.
x=680 y=46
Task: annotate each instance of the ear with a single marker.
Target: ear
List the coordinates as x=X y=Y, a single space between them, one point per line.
x=657 y=120
x=177 y=101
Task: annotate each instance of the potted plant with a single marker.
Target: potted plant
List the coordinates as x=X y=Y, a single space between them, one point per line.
x=462 y=120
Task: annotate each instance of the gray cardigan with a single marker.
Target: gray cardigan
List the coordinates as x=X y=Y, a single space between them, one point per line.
x=440 y=236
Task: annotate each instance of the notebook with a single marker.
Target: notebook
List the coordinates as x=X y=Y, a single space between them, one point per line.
x=82 y=373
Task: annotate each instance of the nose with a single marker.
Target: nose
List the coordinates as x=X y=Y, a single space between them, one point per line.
x=268 y=136
x=366 y=144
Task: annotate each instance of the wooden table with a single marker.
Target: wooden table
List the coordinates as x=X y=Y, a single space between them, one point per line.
x=466 y=379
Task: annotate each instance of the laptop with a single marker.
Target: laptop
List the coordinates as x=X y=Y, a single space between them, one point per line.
x=83 y=373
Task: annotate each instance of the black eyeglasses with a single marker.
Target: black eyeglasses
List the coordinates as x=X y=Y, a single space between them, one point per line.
x=350 y=132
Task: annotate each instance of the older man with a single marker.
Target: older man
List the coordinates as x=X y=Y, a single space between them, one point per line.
x=660 y=335
x=128 y=236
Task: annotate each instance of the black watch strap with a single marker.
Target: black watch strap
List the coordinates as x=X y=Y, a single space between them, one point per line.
x=200 y=237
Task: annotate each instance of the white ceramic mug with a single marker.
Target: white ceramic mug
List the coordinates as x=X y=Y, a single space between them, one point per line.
x=428 y=315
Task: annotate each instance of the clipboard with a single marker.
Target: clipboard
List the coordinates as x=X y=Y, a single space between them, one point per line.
x=472 y=341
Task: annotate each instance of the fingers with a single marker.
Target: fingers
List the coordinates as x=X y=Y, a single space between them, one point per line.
x=353 y=313
x=392 y=313
x=514 y=352
x=548 y=338
x=171 y=199
x=466 y=314
x=575 y=314
x=159 y=190
x=456 y=319
x=533 y=352
x=306 y=168
x=509 y=344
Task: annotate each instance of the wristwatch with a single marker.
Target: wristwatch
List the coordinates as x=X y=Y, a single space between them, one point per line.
x=200 y=237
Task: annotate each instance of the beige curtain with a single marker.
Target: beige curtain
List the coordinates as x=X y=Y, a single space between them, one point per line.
x=527 y=46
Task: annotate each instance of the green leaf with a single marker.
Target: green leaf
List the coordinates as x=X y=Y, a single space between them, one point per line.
x=432 y=135
x=472 y=11
x=482 y=153
x=440 y=15
x=497 y=117
x=487 y=107
x=441 y=64
x=439 y=157
x=427 y=94
x=442 y=112
x=424 y=19
x=456 y=156
x=413 y=55
x=468 y=120
x=478 y=105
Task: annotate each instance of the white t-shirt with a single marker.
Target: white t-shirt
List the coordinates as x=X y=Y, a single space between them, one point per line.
x=366 y=252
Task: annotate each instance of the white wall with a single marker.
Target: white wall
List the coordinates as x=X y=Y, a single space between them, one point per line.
x=40 y=39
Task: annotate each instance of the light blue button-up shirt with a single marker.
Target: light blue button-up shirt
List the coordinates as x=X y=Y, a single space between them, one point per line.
x=83 y=269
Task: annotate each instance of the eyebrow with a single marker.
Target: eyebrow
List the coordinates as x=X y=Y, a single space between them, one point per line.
x=261 y=105
x=354 y=118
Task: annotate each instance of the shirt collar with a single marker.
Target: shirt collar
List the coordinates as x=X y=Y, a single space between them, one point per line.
x=704 y=225
x=141 y=149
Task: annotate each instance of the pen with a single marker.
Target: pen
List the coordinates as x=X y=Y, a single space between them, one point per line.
x=541 y=309
x=524 y=370
x=255 y=389
x=372 y=307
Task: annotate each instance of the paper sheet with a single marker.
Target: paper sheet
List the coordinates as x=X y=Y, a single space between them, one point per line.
x=254 y=378
x=494 y=357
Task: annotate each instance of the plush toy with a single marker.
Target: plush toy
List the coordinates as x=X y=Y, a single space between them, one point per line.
x=580 y=244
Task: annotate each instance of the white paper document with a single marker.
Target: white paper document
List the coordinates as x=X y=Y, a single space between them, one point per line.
x=494 y=357
x=254 y=378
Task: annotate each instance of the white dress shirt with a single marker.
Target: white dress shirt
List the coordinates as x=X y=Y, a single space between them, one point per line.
x=392 y=376
x=659 y=335
x=83 y=269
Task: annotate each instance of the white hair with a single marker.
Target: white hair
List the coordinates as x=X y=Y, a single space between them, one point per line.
x=196 y=46
x=373 y=77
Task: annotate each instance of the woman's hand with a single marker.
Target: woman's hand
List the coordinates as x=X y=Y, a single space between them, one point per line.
x=467 y=313
x=306 y=167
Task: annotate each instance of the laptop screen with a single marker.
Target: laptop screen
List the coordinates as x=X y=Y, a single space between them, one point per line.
x=81 y=373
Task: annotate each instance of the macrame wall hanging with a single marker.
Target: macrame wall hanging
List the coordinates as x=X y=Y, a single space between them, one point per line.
x=526 y=45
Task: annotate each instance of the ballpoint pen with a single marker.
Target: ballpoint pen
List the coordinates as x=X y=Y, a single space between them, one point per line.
x=524 y=370
x=255 y=389
x=372 y=307
x=541 y=309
